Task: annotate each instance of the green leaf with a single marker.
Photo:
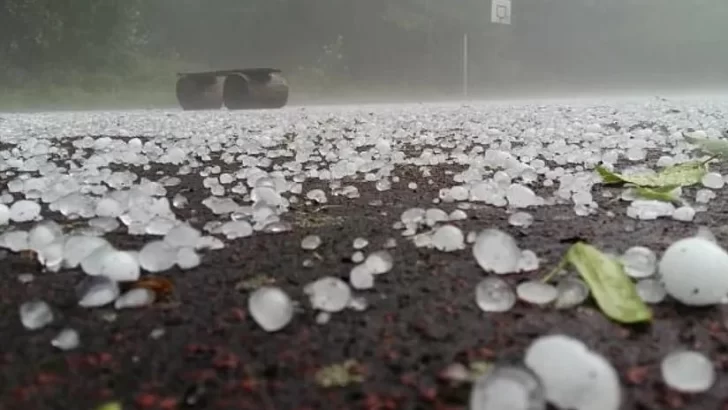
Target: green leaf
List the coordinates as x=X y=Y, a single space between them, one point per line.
x=479 y=368
x=339 y=374
x=686 y=174
x=609 y=177
x=711 y=146
x=114 y=405
x=665 y=194
x=612 y=289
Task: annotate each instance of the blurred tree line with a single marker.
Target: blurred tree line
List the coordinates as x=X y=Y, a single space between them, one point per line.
x=326 y=43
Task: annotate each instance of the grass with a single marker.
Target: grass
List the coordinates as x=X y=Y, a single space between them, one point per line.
x=73 y=98
x=161 y=94
x=149 y=83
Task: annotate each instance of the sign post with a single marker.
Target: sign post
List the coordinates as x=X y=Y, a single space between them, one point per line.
x=465 y=65
x=500 y=11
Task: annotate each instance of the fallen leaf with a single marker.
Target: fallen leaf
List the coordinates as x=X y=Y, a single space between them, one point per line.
x=479 y=368
x=455 y=372
x=162 y=287
x=339 y=375
x=711 y=146
x=613 y=290
x=114 y=405
x=28 y=254
x=255 y=282
x=637 y=374
x=29 y=259
x=666 y=194
x=685 y=174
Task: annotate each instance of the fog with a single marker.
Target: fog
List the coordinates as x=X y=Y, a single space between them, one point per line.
x=337 y=50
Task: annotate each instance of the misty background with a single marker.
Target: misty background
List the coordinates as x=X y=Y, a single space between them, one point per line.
x=58 y=50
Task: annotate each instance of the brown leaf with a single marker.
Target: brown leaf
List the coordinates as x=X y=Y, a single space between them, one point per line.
x=637 y=374
x=162 y=287
x=29 y=258
x=254 y=282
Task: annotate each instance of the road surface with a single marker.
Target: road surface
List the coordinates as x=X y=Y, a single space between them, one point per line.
x=359 y=186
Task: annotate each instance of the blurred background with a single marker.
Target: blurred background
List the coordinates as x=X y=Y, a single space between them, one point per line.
x=126 y=52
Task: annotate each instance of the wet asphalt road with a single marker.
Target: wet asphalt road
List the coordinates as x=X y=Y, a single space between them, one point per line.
x=198 y=346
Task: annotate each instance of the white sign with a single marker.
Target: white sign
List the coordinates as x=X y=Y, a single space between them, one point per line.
x=500 y=11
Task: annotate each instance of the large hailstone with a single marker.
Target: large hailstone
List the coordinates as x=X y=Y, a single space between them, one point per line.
x=574 y=377
x=508 y=388
x=688 y=371
x=328 y=294
x=695 y=271
x=271 y=308
x=496 y=251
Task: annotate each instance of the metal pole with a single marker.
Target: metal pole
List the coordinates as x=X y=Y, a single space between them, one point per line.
x=465 y=65
x=430 y=48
